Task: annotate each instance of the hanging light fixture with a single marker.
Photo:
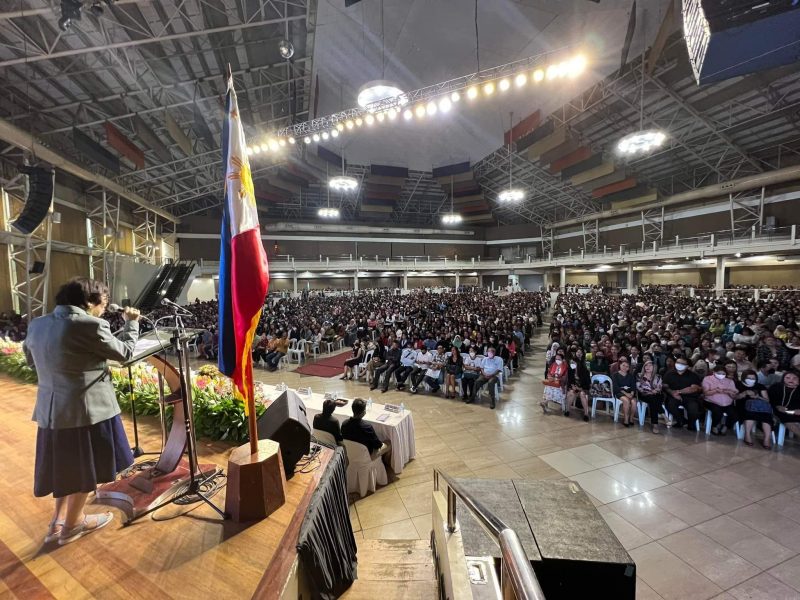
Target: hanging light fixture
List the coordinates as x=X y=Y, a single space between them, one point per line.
x=451 y=218
x=343 y=183
x=511 y=194
x=381 y=89
x=329 y=212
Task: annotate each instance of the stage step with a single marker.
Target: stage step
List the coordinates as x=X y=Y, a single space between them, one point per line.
x=389 y=569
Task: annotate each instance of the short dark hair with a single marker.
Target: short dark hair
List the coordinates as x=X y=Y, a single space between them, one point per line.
x=359 y=408
x=328 y=407
x=81 y=291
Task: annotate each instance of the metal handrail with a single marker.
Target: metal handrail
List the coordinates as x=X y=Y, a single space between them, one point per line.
x=515 y=569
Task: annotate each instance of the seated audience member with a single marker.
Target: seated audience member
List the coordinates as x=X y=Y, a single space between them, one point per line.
x=491 y=366
x=472 y=369
x=753 y=407
x=599 y=365
x=555 y=383
x=625 y=391
x=683 y=388
x=421 y=364
x=578 y=384
x=325 y=421
x=766 y=373
x=353 y=361
x=407 y=361
x=378 y=354
x=454 y=367
x=280 y=349
x=433 y=372
x=355 y=429
x=388 y=368
x=741 y=360
x=648 y=385
x=260 y=348
x=785 y=399
x=719 y=394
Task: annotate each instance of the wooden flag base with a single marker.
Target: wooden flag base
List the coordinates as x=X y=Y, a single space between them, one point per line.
x=256 y=482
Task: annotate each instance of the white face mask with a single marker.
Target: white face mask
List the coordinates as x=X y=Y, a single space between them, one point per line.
x=559 y=361
x=719 y=375
x=680 y=368
x=472 y=354
x=749 y=382
x=573 y=366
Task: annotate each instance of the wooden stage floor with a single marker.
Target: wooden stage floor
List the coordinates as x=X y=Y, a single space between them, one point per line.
x=182 y=552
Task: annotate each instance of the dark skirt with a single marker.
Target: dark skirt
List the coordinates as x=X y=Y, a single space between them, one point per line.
x=69 y=461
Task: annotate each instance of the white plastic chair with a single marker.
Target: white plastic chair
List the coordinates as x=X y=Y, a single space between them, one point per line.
x=685 y=414
x=740 y=431
x=283 y=363
x=364 y=474
x=361 y=367
x=708 y=421
x=325 y=437
x=603 y=379
x=296 y=352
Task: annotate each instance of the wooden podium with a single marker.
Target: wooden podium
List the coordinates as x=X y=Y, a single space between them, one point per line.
x=256 y=482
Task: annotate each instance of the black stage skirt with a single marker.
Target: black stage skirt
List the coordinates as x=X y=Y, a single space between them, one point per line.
x=75 y=460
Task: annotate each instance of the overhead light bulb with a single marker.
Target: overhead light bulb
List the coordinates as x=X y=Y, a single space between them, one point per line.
x=472 y=92
x=488 y=88
x=445 y=104
x=455 y=97
x=273 y=145
x=307 y=140
x=392 y=113
x=520 y=79
x=315 y=137
x=291 y=140
x=334 y=133
x=325 y=135
x=564 y=68
x=738 y=255
x=641 y=142
x=340 y=126
x=381 y=117
x=376 y=91
x=577 y=65
x=249 y=151
x=538 y=75
x=265 y=147
x=359 y=121
x=419 y=111
x=451 y=218
x=552 y=72
x=256 y=149
x=328 y=212
x=343 y=183
x=511 y=195
x=431 y=108
x=369 y=119
x=349 y=124
x=504 y=85
x=281 y=142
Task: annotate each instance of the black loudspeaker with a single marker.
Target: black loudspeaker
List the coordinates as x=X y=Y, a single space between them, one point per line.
x=37 y=267
x=41 y=181
x=285 y=422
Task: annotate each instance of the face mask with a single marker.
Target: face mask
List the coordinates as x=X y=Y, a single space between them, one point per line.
x=559 y=361
x=749 y=382
x=490 y=354
x=472 y=354
x=573 y=366
x=681 y=368
x=719 y=375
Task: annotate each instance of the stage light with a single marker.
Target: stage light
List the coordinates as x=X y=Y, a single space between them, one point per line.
x=552 y=72
x=407 y=114
x=273 y=145
x=488 y=88
x=455 y=97
x=738 y=255
x=343 y=183
x=378 y=90
x=349 y=124
x=334 y=133
x=369 y=119
x=511 y=195
x=431 y=108
x=281 y=142
x=563 y=69
x=521 y=79
x=641 y=142
x=325 y=135
x=380 y=117
x=445 y=104
x=307 y=140
x=419 y=111
x=504 y=85
x=340 y=126
x=538 y=75
x=359 y=121
x=315 y=137
x=256 y=149
x=291 y=140
x=328 y=213
x=265 y=147
x=286 y=48
x=249 y=151
x=451 y=218
x=577 y=65
x=472 y=92
x=392 y=113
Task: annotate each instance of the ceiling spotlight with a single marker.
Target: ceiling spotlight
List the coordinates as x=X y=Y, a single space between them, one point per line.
x=445 y=104
x=538 y=75
x=577 y=65
x=419 y=111
x=315 y=137
x=504 y=85
x=738 y=255
x=249 y=151
x=381 y=117
x=70 y=11
x=552 y=72
x=520 y=79
x=281 y=142
x=431 y=108
x=291 y=140
x=359 y=121
x=265 y=147
x=488 y=88
x=392 y=113
x=349 y=124
x=343 y=183
x=407 y=114
x=369 y=119
x=273 y=145
x=286 y=49
x=641 y=142
x=328 y=212
x=451 y=218
x=455 y=96
x=472 y=92
x=256 y=149
x=325 y=135
x=334 y=133
x=307 y=140
x=376 y=91
x=340 y=126
x=511 y=195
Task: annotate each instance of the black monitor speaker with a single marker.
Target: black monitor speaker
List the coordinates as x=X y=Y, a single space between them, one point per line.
x=41 y=181
x=285 y=422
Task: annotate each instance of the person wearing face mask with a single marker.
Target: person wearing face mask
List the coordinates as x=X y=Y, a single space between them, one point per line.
x=752 y=405
x=554 y=383
x=472 y=369
x=648 y=384
x=489 y=369
x=785 y=399
x=599 y=364
x=683 y=388
x=624 y=382
x=719 y=392
x=579 y=382
x=408 y=359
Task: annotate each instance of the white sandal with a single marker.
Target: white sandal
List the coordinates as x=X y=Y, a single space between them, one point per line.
x=70 y=535
x=52 y=533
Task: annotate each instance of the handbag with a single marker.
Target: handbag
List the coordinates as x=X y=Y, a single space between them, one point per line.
x=551 y=383
x=757 y=405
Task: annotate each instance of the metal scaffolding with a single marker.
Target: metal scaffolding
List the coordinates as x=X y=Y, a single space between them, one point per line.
x=747 y=213
x=145 y=246
x=102 y=233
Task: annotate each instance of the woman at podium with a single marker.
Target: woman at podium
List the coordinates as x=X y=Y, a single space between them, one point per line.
x=80 y=441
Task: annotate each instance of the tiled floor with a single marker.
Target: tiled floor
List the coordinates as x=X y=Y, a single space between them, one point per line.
x=702 y=518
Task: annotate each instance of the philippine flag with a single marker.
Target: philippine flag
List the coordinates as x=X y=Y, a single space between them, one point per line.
x=243 y=269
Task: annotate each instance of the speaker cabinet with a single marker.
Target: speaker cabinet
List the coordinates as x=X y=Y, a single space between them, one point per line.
x=37 y=267
x=285 y=421
x=40 y=196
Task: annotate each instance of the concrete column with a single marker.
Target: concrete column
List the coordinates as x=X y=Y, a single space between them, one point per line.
x=480 y=280
x=563 y=279
x=458 y=280
x=546 y=281
x=294 y=281
x=405 y=280
x=719 y=282
x=630 y=283
x=355 y=281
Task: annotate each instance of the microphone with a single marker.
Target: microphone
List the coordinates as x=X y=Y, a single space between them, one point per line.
x=170 y=303
x=115 y=308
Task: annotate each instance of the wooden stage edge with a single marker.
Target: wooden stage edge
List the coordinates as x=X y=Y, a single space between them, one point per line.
x=182 y=552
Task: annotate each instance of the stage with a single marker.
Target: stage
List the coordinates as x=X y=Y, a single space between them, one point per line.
x=181 y=552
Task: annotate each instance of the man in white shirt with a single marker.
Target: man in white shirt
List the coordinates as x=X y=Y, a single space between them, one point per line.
x=472 y=370
x=421 y=364
x=432 y=374
x=490 y=368
x=407 y=361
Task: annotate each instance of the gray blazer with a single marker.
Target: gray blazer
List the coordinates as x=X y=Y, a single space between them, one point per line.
x=69 y=348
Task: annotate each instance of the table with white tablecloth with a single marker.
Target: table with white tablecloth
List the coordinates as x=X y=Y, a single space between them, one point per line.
x=398 y=428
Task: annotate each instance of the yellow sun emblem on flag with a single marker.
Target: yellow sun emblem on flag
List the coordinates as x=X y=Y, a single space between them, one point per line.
x=240 y=169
